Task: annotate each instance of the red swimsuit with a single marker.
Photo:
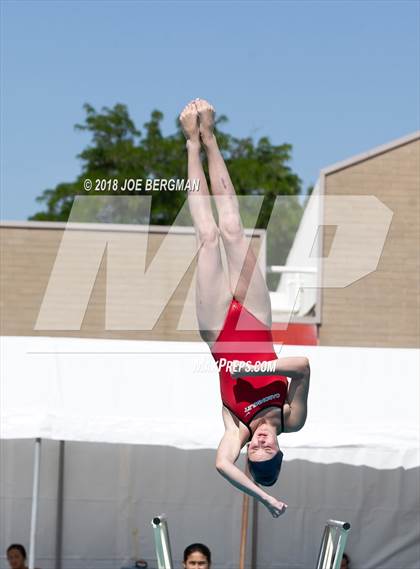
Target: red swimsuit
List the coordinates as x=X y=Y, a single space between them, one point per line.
x=247 y=339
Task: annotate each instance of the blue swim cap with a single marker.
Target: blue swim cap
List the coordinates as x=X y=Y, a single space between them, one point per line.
x=266 y=472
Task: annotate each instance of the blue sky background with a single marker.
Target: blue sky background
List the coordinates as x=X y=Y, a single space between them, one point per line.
x=333 y=78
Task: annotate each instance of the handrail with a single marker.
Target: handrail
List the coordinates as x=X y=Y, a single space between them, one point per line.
x=338 y=524
x=162 y=543
x=333 y=543
x=287 y=269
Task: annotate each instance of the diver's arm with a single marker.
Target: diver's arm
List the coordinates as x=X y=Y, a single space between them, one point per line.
x=227 y=454
x=297 y=398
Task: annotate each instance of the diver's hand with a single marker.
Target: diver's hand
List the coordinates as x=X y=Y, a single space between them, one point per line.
x=274 y=506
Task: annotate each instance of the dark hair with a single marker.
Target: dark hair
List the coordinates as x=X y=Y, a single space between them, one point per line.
x=347 y=558
x=19 y=547
x=266 y=472
x=200 y=547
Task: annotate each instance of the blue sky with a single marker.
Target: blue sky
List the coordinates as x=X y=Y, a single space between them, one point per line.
x=333 y=78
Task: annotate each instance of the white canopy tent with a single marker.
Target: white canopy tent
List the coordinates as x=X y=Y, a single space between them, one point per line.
x=356 y=458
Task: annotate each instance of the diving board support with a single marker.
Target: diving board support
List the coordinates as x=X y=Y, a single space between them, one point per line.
x=162 y=543
x=333 y=543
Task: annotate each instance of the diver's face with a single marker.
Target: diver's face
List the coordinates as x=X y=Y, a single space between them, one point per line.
x=263 y=444
x=196 y=560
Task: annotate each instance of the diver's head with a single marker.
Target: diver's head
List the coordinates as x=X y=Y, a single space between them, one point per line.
x=264 y=456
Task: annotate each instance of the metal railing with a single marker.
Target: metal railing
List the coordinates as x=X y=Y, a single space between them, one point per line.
x=294 y=289
x=278 y=269
x=162 y=543
x=334 y=539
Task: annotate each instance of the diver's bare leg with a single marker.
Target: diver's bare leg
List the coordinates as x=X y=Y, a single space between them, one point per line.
x=213 y=294
x=246 y=278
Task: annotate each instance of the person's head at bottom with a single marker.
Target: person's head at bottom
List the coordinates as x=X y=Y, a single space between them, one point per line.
x=264 y=457
x=345 y=562
x=16 y=556
x=197 y=556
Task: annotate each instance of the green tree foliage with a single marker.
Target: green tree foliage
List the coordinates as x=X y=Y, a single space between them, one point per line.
x=118 y=150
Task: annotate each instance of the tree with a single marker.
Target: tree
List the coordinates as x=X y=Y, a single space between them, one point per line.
x=120 y=151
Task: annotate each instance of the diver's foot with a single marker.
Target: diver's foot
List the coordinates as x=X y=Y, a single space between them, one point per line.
x=206 y=120
x=189 y=123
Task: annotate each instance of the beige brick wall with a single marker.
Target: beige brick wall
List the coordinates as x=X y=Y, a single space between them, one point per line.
x=28 y=255
x=382 y=308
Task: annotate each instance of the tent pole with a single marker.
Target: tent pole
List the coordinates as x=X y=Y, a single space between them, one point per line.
x=35 y=495
x=242 y=554
x=60 y=498
x=244 y=526
x=254 y=534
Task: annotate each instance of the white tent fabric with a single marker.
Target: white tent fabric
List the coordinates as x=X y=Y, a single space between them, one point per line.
x=166 y=393
x=356 y=459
